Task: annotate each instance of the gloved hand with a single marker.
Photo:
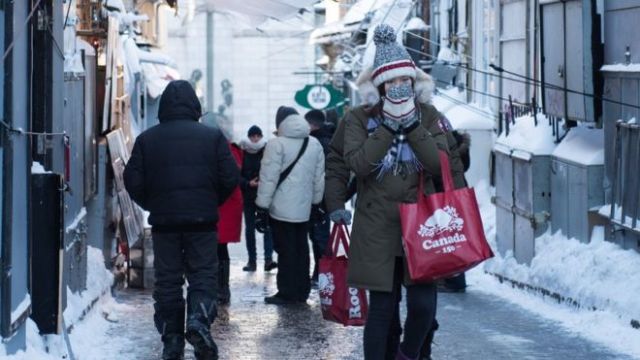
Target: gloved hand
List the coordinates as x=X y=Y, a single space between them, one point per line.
x=262 y=220
x=341 y=216
x=318 y=214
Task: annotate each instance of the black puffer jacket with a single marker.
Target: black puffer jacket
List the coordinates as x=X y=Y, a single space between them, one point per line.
x=181 y=170
x=250 y=170
x=324 y=135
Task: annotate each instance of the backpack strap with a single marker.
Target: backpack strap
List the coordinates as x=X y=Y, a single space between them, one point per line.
x=285 y=173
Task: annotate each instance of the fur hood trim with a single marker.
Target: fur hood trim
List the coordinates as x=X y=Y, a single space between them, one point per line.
x=370 y=95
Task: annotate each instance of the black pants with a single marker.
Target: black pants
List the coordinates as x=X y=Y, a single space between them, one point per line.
x=250 y=235
x=381 y=332
x=223 y=252
x=290 y=242
x=319 y=236
x=178 y=255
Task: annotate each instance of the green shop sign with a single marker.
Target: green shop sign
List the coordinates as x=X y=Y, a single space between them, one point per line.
x=319 y=97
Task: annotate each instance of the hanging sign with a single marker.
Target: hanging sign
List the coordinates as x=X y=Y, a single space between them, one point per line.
x=319 y=97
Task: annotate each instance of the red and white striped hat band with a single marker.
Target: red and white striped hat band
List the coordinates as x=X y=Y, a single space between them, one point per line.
x=392 y=70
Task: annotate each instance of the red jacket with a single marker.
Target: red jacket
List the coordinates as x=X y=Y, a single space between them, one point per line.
x=230 y=223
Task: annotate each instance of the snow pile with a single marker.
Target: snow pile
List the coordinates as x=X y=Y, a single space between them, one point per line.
x=99 y=281
x=524 y=135
x=598 y=275
x=89 y=337
x=582 y=145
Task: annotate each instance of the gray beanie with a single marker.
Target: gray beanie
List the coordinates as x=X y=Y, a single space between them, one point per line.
x=391 y=60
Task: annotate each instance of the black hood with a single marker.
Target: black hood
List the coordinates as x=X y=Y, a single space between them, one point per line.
x=179 y=102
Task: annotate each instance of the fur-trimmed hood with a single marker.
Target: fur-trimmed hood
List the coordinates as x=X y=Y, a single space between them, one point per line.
x=370 y=95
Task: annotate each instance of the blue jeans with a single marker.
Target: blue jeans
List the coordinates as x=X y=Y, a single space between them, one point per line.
x=250 y=234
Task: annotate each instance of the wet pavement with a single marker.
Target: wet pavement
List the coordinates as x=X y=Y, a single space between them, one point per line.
x=474 y=325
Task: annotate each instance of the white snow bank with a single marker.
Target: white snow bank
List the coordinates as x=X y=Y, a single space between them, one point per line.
x=469 y=117
x=602 y=327
x=89 y=337
x=524 y=135
x=598 y=275
x=583 y=146
x=99 y=281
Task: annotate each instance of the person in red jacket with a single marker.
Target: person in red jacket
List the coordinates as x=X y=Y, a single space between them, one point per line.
x=229 y=230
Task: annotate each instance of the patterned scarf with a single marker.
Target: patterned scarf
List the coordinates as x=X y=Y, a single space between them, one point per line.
x=399 y=105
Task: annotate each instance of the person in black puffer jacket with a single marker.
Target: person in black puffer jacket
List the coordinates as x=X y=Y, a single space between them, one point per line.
x=253 y=148
x=181 y=171
x=319 y=224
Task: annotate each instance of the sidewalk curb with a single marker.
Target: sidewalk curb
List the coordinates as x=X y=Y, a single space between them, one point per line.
x=538 y=290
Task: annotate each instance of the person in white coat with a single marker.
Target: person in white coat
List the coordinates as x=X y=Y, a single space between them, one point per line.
x=291 y=181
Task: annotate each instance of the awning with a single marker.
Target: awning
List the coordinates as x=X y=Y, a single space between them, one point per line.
x=258 y=11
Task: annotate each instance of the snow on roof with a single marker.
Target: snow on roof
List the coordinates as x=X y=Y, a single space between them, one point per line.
x=582 y=145
x=524 y=135
x=621 y=68
x=469 y=117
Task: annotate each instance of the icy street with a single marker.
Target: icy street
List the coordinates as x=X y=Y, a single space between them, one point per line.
x=475 y=325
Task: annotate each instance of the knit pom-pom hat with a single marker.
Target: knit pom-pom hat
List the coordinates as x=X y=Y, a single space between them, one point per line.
x=391 y=59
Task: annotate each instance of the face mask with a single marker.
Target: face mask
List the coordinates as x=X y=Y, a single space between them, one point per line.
x=400 y=92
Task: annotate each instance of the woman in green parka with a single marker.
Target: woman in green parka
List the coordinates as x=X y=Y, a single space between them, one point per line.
x=390 y=147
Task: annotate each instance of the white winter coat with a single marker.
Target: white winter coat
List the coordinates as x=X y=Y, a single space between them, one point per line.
x=304 y=186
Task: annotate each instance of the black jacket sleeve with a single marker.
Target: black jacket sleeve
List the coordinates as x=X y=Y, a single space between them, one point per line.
x=244 y=174
x=134 y=175
x=228 y=172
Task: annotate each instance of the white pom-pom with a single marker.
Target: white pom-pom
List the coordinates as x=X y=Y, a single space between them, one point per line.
x=384 y=34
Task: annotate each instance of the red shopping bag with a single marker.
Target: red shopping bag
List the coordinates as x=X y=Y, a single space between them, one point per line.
x=339 y=302
x=442 y=233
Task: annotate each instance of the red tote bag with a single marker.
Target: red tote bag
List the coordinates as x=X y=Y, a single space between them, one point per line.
x=442 y=233
x=339 y=302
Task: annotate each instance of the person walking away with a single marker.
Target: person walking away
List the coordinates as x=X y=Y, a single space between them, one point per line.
x=390 y=148
x=180 y=171
x=253 y=150
x=319 y=224
x=291 y=181
x=229 y=230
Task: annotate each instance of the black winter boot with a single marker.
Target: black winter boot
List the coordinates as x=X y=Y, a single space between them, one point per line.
x=199 y=335
x=173 y=347
x=224 y=294
x=200 y=314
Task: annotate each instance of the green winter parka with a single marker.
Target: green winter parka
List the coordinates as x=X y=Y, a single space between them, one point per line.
x=376 y=238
